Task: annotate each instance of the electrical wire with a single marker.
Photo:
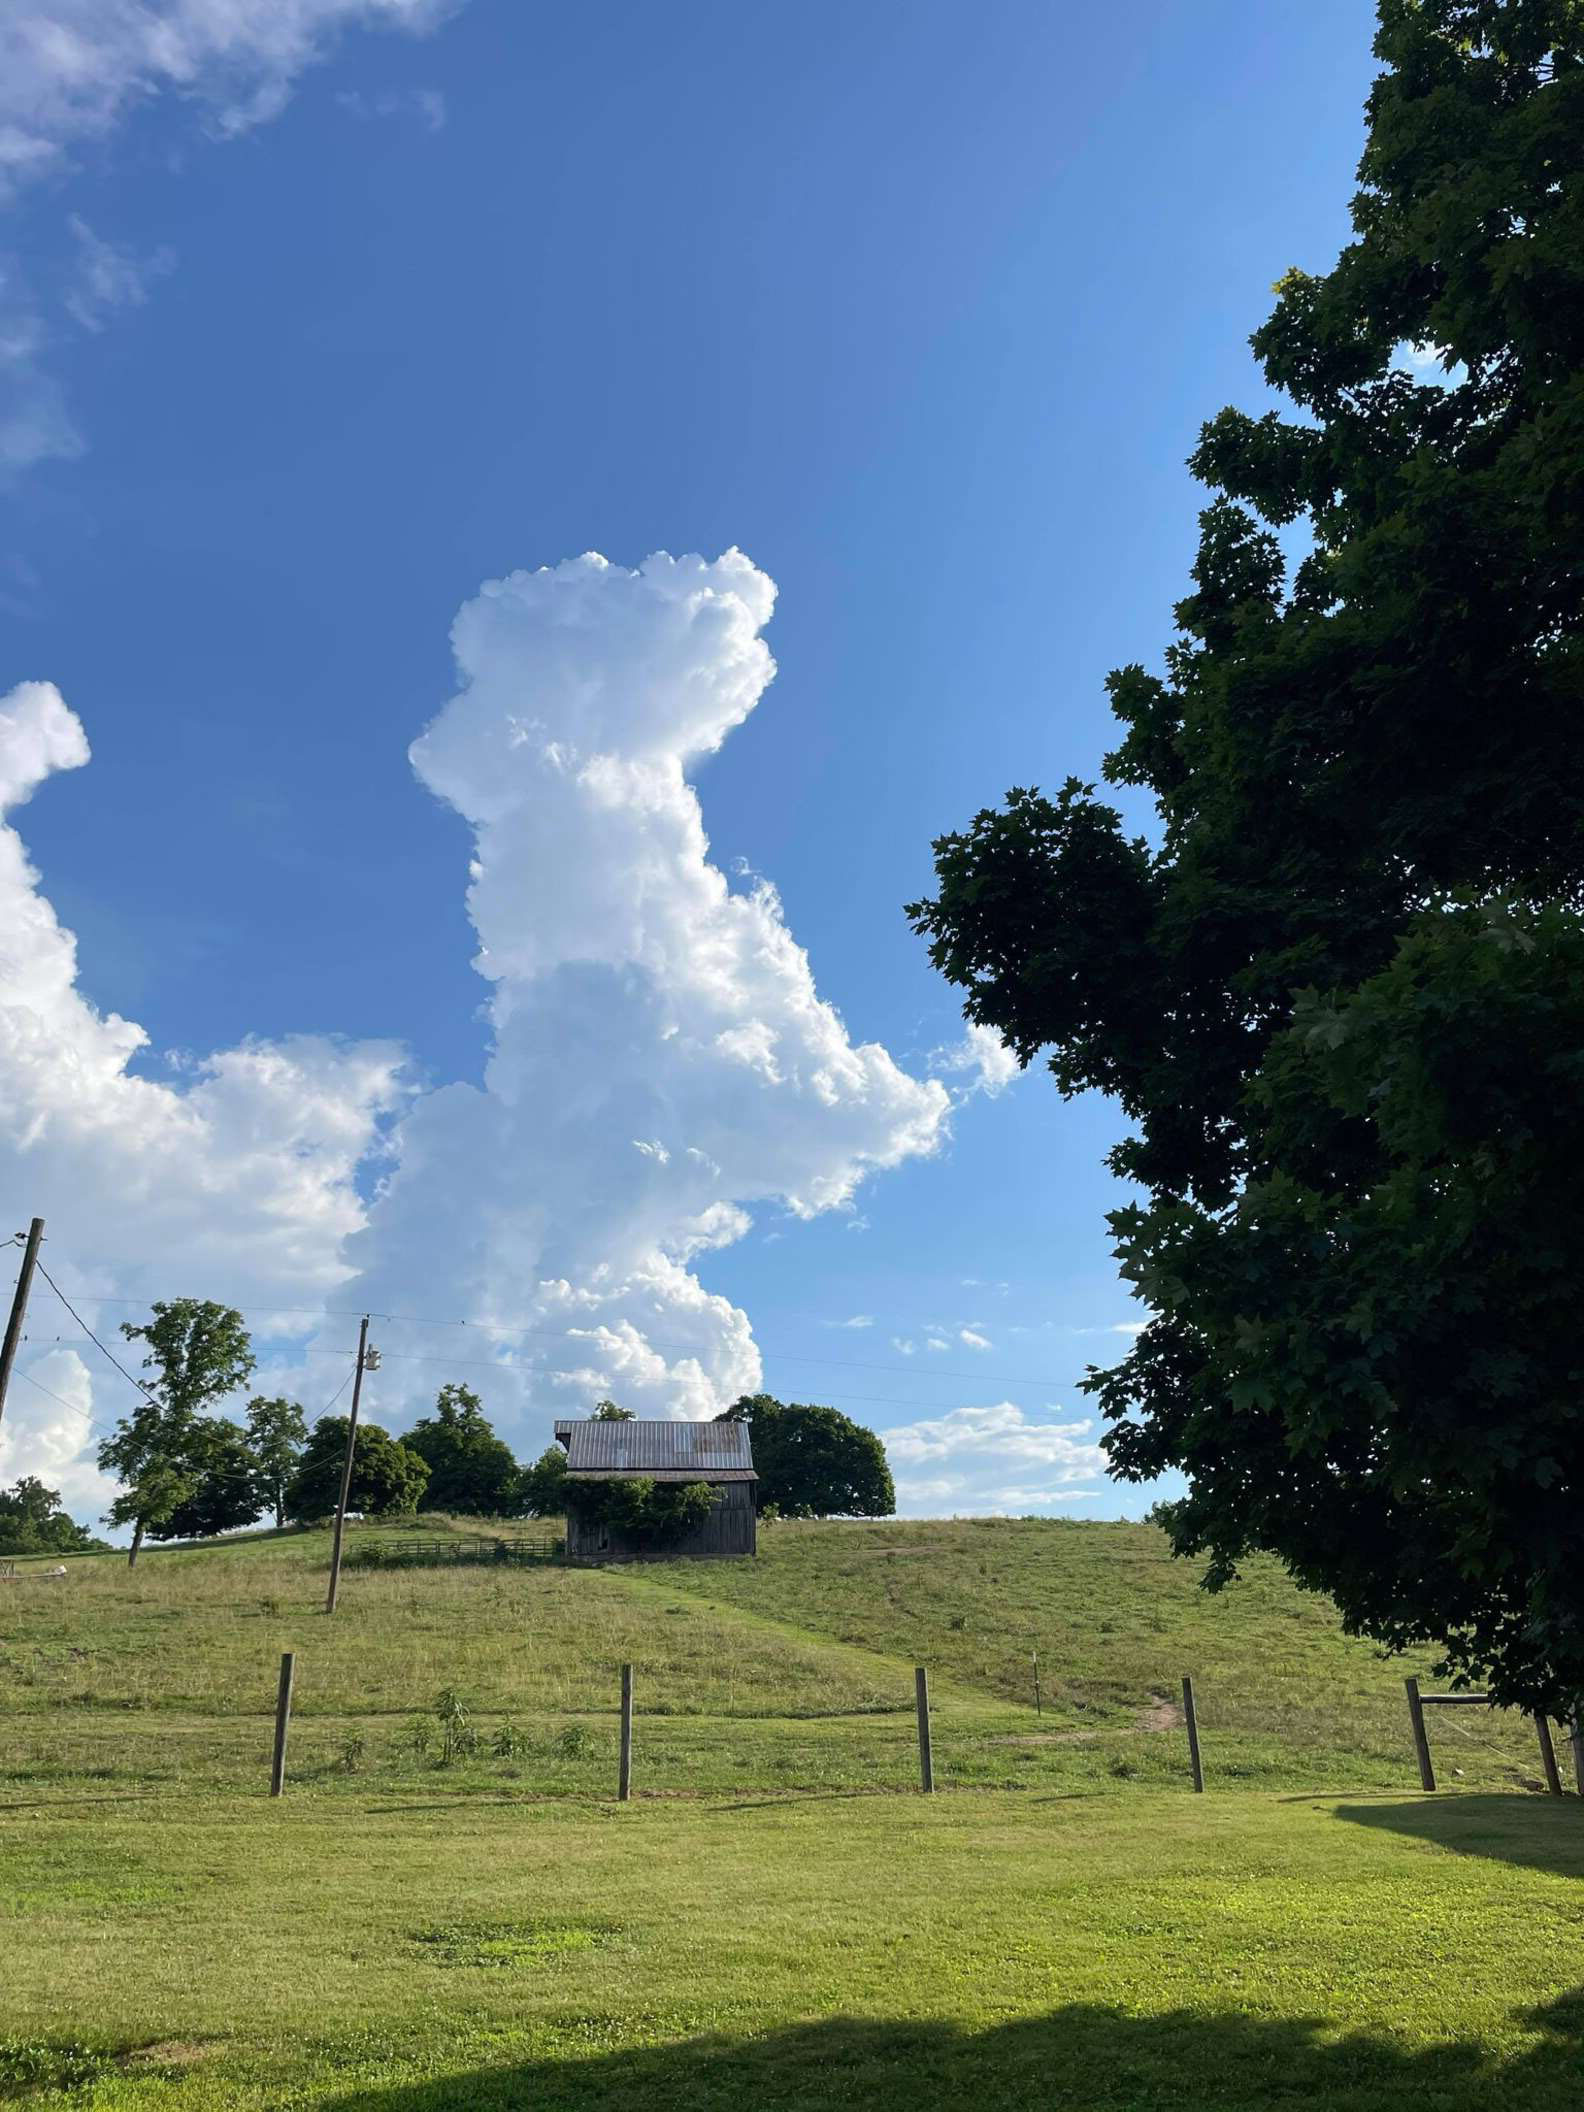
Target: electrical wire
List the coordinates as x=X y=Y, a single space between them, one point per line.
x=147 y=1391
x=39 y=1387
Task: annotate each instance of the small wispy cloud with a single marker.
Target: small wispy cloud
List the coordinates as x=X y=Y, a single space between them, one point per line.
x=902 y=1346
x=983 y=1056
x=36 y=424
x=857 y=1320
x=971 y=1338
x=106 y=277
x=936 y=1342
x=425 y=105
x=75 y=68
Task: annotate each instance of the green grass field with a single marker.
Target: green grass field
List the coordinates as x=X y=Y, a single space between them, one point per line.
x=778 y=1919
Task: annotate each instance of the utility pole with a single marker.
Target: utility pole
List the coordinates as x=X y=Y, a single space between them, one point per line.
x=367 y=1360
x=13 y=1333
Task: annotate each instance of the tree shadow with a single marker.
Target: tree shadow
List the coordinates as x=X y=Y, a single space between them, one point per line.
x=1096 y=2059
x=1543 y=1833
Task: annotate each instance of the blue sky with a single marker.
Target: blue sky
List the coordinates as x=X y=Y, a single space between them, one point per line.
x=920 y=307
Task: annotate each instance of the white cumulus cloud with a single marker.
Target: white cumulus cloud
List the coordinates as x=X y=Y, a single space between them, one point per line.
x=238 y=1177
x=662 y=1061
x=48 y=1431
x=971 y=1338
x=995 y=1458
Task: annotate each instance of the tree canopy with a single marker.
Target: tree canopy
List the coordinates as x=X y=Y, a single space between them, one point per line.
x=1338 y=991
x=471 y=1471
x=199 y=1353
x=277 y=1432
x=541 y=1488
x=813 y=1462
x=228 y=1488
x=33 y=1523
x=387 y=1479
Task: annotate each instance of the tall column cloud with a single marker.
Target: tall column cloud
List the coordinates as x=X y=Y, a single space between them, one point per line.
x=661 y=1059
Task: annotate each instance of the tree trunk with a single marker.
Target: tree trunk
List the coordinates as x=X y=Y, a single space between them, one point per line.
x=137 y=1542
x=280 y=1513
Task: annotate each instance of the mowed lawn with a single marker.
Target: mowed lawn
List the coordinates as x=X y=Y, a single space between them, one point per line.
x=778 y=1918
x=1123 y=1949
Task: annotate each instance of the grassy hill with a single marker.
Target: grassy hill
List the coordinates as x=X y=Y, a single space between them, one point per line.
x=1283 y=1694
x=793 y=1670
x=778 y=1919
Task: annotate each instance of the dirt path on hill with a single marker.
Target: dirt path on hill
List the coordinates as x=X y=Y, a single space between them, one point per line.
x=1162 y=1714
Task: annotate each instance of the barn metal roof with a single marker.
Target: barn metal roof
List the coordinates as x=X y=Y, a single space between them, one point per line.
x=668 y=1451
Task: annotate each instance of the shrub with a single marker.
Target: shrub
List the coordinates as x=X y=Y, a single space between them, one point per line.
x=649 y=1513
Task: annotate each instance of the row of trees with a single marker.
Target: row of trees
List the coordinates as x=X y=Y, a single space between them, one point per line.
x=188 y=1472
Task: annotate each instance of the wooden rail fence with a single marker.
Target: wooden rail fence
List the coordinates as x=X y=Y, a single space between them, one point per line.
x=439 y=1553
x=1418 y=1703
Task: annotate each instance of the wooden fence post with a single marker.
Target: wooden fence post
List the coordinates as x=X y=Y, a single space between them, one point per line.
x=283 y=1702
x=926 y=1757
x=1191 y=1718
x=1548 y=1756
x=1421 y=1742
x=1576 y=1739
x=1038 y=1705
x=624 y=1779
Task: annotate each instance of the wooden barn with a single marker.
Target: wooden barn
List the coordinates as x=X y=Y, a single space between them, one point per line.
x=717 y=1453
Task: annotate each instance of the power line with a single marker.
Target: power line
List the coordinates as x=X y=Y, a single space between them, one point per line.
x=341 y=1389
x=70 y=1406
x=104 y=1428
x=147 y=1391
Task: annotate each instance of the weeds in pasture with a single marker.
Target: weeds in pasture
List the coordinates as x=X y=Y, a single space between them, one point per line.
x=458 y=1738
x=508 y=1742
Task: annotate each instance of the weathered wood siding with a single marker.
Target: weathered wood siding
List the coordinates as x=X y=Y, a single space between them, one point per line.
x=730 y=1529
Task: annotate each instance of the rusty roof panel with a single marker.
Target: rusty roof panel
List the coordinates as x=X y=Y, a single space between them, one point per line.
x=688 y=1451
x=662 y=1473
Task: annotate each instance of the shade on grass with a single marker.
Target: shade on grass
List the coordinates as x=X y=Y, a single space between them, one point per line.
x=1125 y=1950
